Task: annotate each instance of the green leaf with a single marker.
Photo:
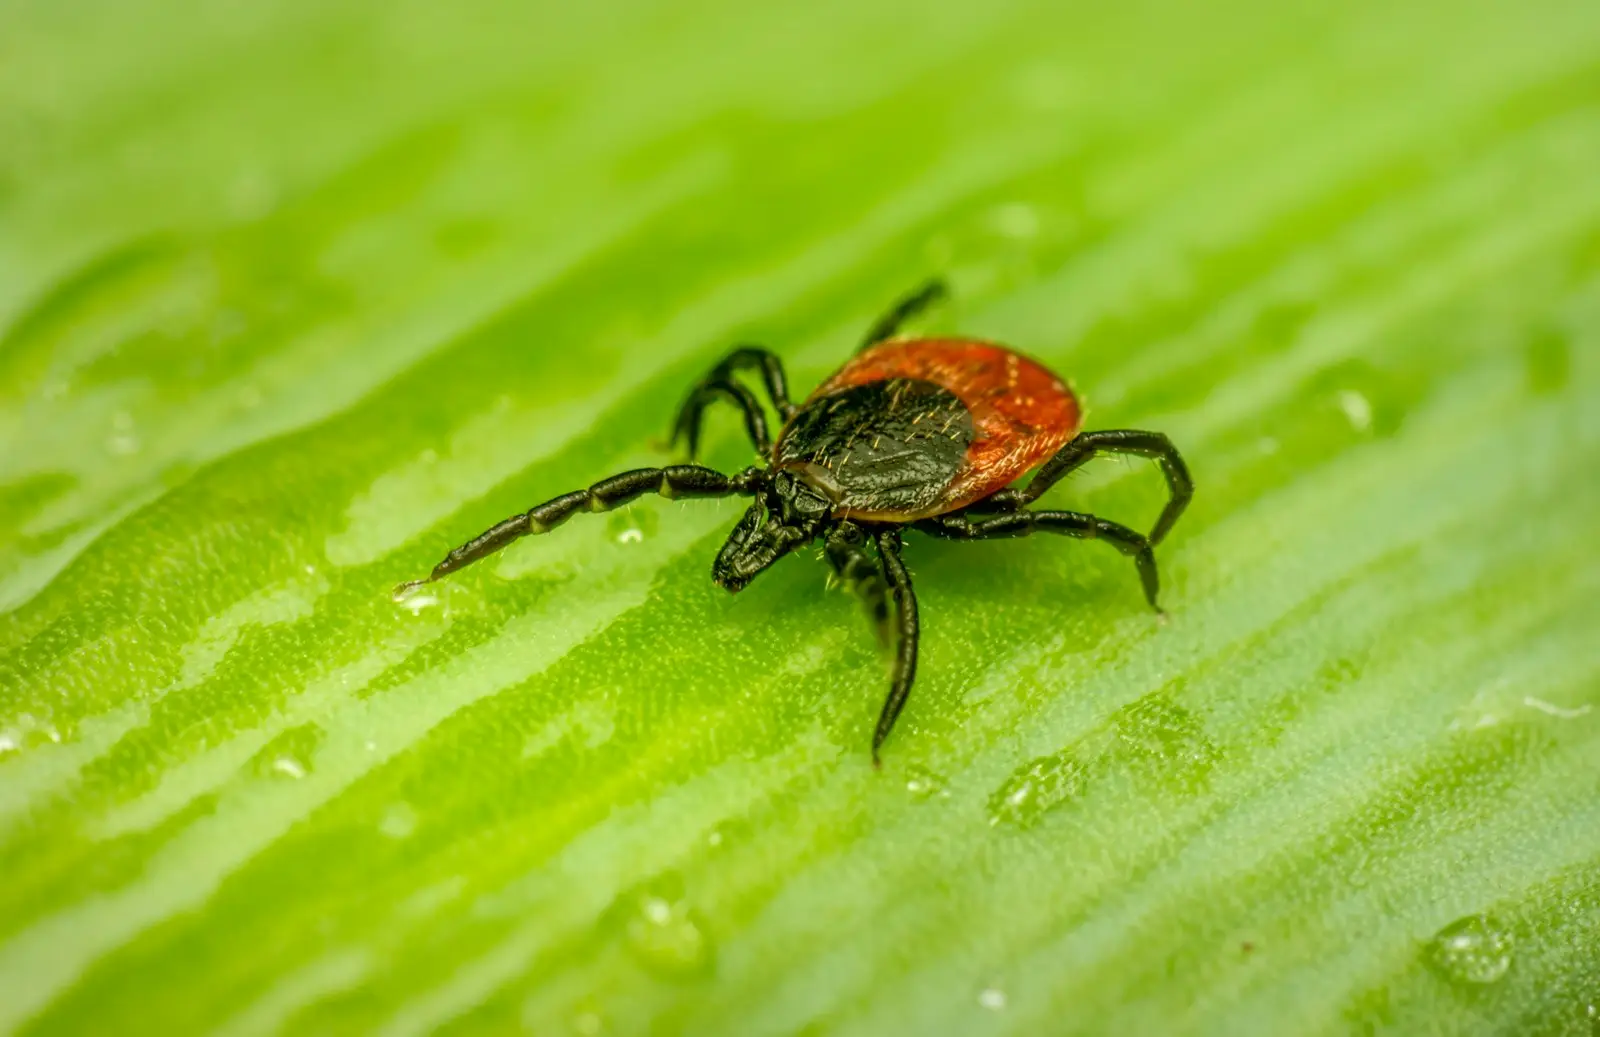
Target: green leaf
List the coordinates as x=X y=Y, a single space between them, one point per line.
x=296 y=297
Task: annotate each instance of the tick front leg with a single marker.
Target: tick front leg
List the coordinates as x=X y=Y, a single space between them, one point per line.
x=1137 y=546
x=1155 y=445
x=905 y=659
x=720 y=383
x=674 y=481
x=846 y=550
x=887 y=325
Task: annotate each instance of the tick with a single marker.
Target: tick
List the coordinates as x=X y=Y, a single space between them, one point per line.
x=911 y=433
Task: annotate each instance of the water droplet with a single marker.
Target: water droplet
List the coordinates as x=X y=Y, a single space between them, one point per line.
x=925 y=784
x=28 y=732
x=1474 y=949
x=662 y=932
x=992 y=998
x=631 y=525
x=587 y=1022
x=123 y=439
x=1357 y=409
x=725 y=833
x=289 y=755
x=417 y=602
x=1016 y=220
x=399 y=821
x=1037 y=787
x=289 y=767
x=1166 y=739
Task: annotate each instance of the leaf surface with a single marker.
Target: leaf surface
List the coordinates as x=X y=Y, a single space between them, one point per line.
x=293 y=298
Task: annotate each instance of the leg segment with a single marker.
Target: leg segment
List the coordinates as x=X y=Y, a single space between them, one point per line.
x=960 y=526
x=755 y=422
x=904 y=310
x=684 y=480
x=1128 y=441
x=846 y=550
x=720 y=383
x=905 y=660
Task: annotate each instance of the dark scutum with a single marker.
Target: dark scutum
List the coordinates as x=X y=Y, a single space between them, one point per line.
x=889 y=446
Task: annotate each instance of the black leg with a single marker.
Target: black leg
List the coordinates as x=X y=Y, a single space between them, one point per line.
x=720 y=383
x=961 y=526
x=903 y=311
x=1128 y=441
x=755 y=422
x=684 y=480
x=905 y=659
x=846 y=549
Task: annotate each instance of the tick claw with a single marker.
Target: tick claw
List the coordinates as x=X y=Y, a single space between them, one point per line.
x=401 y=590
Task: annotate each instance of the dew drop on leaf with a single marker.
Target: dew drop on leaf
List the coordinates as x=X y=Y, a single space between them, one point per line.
x=587 y=1022
x=662 y=931
x=417 y=603
x=631 y=525
x=288 y=767
x=398 y=821
x=925 y=784
x=1036 y=788
x=1474 y=949
x=992 y=998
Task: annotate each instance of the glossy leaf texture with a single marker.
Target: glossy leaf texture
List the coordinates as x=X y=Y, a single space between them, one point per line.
x=296 y=297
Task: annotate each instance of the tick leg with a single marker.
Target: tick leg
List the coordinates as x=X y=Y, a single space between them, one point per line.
x=720 y=383
x=1137 y=546
x=755 y=422
x=846 y=550
x=904 y=310
x=1005 y=500
x=684 y=480
x=1127 y=441
x=905 y=659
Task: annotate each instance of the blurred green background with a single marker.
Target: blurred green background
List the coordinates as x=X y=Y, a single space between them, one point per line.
x=293 y=297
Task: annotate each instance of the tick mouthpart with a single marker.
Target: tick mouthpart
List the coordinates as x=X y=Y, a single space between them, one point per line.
x=733 y=584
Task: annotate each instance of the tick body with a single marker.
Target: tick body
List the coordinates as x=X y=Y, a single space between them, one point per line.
x=912 y=429
x=921 y=434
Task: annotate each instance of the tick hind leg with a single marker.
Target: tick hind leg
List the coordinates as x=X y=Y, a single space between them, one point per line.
x=961 y=526
x=684 y=480
x=1154 y=445
x=720 y=383
x=858 y=572
x=908 y=629
x=887 y=325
